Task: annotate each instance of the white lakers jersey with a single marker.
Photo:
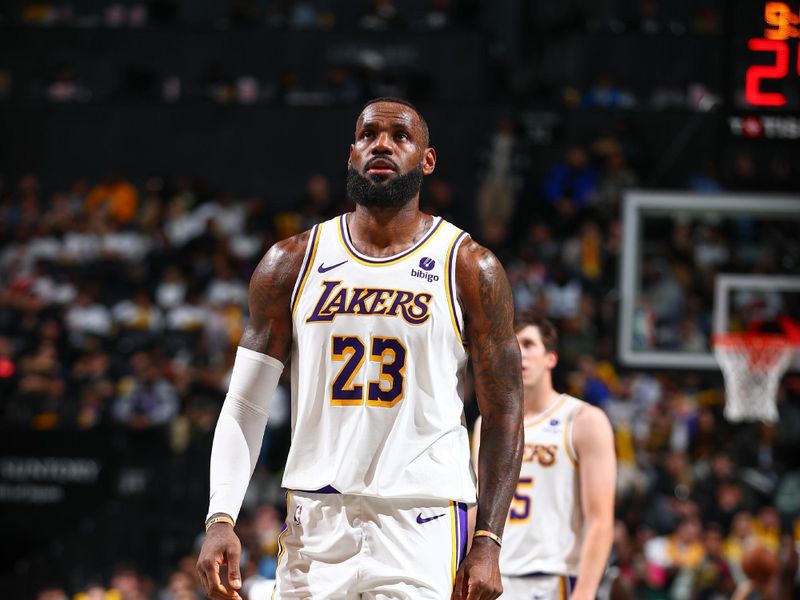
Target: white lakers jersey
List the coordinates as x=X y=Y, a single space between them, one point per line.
x=544 y=530
x=377 y=370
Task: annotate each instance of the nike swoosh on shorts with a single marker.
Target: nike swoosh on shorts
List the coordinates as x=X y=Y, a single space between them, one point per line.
x=422 y=520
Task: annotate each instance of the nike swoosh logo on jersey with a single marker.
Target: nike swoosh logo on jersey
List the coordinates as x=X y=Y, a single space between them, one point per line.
x=323 y=269
x=422 y=520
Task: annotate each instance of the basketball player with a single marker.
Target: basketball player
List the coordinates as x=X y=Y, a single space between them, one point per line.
x=379 y=310
x=560 y=524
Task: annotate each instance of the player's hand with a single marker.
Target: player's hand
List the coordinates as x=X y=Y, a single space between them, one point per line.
x=478 y=577
x=221 y=547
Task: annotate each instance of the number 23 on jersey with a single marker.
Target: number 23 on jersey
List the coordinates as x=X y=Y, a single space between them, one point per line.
x=386 y=391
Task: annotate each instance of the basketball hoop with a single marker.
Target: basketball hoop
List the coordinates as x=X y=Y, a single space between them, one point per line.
x=752 y=364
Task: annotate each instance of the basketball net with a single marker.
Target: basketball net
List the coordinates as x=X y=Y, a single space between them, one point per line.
x=752 y=364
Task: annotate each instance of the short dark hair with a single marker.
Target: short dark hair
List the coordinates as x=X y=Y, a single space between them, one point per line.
x=423 y=123
x=546 y=329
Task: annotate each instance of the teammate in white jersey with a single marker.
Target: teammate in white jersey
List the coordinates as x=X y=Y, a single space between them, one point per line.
x=560 y=525
x=379 y=310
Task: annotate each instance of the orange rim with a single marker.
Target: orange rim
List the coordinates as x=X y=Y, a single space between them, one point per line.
x=762 y=349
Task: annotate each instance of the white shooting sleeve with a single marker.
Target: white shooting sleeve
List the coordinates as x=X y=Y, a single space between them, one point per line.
x=240 y=429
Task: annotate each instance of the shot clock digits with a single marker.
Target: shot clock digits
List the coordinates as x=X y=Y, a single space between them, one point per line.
x=782 y=26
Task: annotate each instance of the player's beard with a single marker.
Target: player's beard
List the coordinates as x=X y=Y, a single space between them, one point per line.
x=394 y=194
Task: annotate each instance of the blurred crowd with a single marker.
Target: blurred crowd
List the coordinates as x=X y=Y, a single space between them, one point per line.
x=643 y=16
x=121 y=305
x=304 y=15
x=364 y=66
x=348 y=71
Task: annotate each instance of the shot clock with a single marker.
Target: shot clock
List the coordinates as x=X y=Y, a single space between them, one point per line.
x=772 y=60
x=764 y=93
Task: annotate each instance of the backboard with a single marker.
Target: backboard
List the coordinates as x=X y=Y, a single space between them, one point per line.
x=696 y=265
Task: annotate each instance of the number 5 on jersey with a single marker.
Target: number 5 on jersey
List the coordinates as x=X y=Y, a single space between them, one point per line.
x=520 y=510
x=387 y=390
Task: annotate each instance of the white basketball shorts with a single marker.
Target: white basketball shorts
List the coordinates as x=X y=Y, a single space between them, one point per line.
x=539 y=586
x=346 y=547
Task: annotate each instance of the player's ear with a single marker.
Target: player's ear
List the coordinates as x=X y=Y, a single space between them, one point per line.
x=350 y=156
x=552 y=360
x=428 y=161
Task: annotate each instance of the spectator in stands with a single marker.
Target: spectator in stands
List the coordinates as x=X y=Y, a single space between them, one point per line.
x=225 y=287
x=667 y=555
x=190 y=316
x=96 y=591
x=740 y=536
x=138 y=313
x=344 y=86
x=66 y=87
x=563 y=293
x=130 y=584
x=438 y=15
x=615 y=179
x=583 y=254
x=87 y=318
x=146 y=399
x=381 y=16
x=606 y=94
x=171 y=289
x=705 y=181
x=182 y=225
x=316 y=205
x=437 y=198
x=728 y=506
x=123 y=244
x=712 y=579
x=52 y=593
x=497 y=192
x=181 y=586
x=50 y=288
x=117 y=198
x=570 y=185
x=40 y=393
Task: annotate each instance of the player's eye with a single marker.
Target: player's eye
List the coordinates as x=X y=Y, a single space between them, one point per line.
x=401 y=136
x=366 y=134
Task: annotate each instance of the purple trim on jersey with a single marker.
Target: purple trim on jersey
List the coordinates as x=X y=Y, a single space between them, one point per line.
x=568 y=579
x=328 y=489
x=451 y=272
x=461 y=525
x=378 y=261
x=570 y=584
x=312 y=240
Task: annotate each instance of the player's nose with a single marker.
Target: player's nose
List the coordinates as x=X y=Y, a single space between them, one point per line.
x=382 y=144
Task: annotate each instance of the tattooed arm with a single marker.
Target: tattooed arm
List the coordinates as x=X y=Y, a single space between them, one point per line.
x=485 y=295
x=267 y=341
x=269 y=330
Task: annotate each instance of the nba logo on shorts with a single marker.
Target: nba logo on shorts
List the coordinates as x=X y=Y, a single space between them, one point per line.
x=297 y=514
x=426 y=263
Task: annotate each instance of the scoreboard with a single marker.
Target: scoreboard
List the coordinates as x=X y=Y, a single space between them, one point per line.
x=765 y=60
x=774 y=59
